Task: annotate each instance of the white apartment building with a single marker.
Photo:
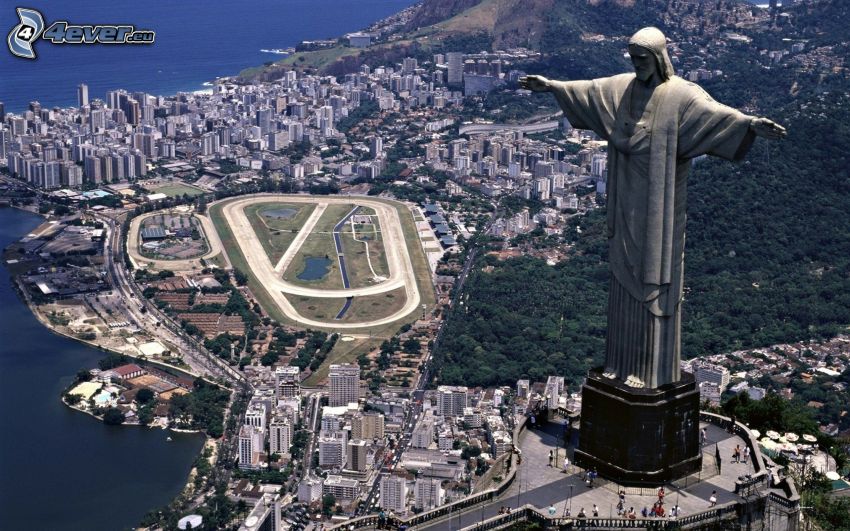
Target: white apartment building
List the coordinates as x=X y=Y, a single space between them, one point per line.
x=394 y=494
x=428 y=493
x=310 y=490
x=332 y=450
x=256 y=415
x=344 y=384
x=280 y=435
x=251 y=445
x=709 y=372
x=451 y=400
x=341 y=488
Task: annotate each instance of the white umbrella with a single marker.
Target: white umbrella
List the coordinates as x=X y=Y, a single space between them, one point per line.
x=772 y=434
x=756 y=433
x=788 y=447
x=832 y=475
x=792 y=437
x=810 y=438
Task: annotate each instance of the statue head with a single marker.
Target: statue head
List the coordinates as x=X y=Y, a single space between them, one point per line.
x=648 y=50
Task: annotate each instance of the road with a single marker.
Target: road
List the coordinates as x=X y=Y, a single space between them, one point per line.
x=424 y=378
x=151 y=319
x=401 y=272
x=313 y=420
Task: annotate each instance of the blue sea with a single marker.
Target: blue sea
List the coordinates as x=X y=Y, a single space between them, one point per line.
x=196 y=41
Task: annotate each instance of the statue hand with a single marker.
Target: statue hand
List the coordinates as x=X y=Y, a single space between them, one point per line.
x=535 y=83
x=767 y=128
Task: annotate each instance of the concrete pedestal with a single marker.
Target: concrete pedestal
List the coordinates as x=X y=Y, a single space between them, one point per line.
x=639 y=437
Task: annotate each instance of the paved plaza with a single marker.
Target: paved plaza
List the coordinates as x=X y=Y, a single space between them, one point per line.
x=545 y=486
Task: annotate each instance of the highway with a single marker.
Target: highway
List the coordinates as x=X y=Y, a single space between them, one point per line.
x=151 y=319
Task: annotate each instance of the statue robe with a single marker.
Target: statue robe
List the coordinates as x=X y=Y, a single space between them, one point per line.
x=648 y=163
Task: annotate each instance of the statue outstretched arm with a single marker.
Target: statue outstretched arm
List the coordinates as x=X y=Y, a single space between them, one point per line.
x=535 y=83
x=767 y=128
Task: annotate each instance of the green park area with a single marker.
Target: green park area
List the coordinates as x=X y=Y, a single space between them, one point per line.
x=362 y=309
x=315 y=264
x=277 y=224
x=365 y=257
x=178 y=189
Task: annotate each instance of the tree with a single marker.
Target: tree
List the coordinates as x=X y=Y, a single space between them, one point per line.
x=113 y=416
x=144 y=395
x=240 y=276
x=112 y=360
x=328 y=502
x=73 y=399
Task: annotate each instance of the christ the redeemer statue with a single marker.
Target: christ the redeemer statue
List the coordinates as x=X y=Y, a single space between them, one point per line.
x=655 y=123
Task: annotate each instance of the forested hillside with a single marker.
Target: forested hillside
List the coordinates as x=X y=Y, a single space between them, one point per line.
x=767 y=261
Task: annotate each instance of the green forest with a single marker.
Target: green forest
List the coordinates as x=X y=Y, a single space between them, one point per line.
x=767 y=261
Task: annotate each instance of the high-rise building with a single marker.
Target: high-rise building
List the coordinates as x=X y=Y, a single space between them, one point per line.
x=376 y=146
x=310 y=490
x=250 y=447
x=356 y=456
x=264 y=119
x=82 y=95
x=423 y=435
x=4 y=141
x=451 y=400
x=394 y=494
x=330 y=424
x=287 y=382
x=428 y=493
x=554 y=390
x=92 y=169
x=256 y=415
x=367 y=426
x=345 y=384
x=280 y=435
x=332 y=450
x=709 y=372
x=409 y=65
x=455 y=62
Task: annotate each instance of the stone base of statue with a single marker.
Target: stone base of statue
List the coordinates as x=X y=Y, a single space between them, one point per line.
x=639 y=437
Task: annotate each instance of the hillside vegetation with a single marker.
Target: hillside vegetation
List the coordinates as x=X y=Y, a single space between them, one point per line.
x=767 y=261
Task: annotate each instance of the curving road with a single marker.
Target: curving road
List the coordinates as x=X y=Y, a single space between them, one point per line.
x=401 y=272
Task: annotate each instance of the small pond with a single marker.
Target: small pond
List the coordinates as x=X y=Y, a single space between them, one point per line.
x=315 y=267
x=280 y=213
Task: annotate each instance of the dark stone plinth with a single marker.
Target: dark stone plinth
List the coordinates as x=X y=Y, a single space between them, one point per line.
x=639 y=436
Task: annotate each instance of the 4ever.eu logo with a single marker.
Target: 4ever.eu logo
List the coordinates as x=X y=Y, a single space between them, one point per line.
x=23 y=37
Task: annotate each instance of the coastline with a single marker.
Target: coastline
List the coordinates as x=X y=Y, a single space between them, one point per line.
x=47 y=324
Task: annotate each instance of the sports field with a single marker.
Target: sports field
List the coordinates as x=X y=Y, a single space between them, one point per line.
x=329 y=262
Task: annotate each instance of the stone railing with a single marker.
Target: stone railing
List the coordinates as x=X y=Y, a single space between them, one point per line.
x=529 y=513
x=761 y=475
x=450 y=509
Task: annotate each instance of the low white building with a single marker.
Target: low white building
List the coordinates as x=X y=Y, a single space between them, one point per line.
x=341 y=488
x=310 y=490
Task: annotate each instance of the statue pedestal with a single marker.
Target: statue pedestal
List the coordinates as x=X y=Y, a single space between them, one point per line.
x=639 y=437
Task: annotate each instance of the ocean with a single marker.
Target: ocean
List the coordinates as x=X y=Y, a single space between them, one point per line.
x=196 y=41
